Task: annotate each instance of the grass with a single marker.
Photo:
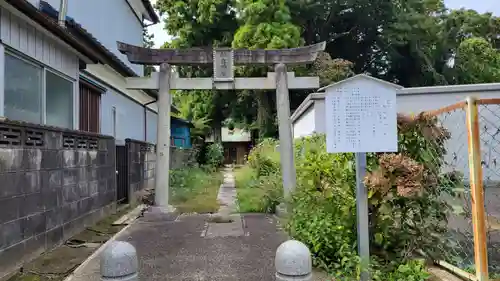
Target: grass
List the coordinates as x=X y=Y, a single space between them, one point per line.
x=194 y=190
x=252 y=196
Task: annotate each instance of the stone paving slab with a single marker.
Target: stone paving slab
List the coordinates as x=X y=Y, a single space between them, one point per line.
x=181 y=253
x=177 y=251
x=230 y=223
x=195 y=248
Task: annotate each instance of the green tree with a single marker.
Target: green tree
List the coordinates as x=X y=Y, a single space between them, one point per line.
x=331 y=70
x=195 y=107
x=265 y=24
x=407 y=42
x=148 y=42
x=477 y=62
x=199 y=23
x=352 y=29
x=412 y=47
x=458 y=25
x=423 y=39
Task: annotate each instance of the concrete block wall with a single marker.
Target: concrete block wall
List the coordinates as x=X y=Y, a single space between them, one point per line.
x=141 y=167
x=53 y=183
x=181 y=157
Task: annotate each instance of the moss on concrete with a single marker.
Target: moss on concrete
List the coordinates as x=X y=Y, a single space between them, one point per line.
x=57 y=264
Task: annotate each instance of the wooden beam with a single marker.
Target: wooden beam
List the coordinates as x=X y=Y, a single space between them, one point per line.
x=461 y=273
x=196 y=56
x=264 y=83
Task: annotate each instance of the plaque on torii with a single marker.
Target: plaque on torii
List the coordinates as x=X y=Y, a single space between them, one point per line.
x=223 y=60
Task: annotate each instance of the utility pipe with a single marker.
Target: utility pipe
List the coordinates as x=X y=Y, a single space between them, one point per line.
x=63 y=10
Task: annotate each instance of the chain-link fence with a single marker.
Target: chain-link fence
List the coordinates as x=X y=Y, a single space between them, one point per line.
x=489 y=135
x=471 y=139
x=454 y=172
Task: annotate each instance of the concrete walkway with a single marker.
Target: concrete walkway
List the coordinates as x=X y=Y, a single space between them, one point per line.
x=195 y=247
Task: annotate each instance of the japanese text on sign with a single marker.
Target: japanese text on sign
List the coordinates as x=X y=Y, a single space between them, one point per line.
x=361 y=120
x=223 y=65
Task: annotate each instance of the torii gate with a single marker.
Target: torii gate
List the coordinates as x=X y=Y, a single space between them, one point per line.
x=223 y=61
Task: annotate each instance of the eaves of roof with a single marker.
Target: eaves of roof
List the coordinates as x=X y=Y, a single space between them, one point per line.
x=48 y=23
x=151 y=11
x=113 y=61
x=305 y=105
x=76 y=36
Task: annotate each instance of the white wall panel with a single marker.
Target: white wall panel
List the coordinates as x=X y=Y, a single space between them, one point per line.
x=21 y=36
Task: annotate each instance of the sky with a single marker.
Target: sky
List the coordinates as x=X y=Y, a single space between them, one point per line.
x=482 y=6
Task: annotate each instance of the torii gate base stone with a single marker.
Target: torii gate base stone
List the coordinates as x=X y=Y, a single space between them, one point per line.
x=223 y=60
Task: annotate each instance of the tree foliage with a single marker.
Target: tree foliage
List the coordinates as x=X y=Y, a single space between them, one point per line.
x=195 y=107
x=265 y=24
x=331 y=70
x=411 y=42
x=477 y=62
x=148 y=42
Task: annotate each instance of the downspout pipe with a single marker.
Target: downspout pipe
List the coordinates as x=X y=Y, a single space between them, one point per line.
x=146 y=118
x=63 y=10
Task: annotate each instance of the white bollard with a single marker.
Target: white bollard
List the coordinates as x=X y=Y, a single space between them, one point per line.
x=293 y=262
x=119 y=262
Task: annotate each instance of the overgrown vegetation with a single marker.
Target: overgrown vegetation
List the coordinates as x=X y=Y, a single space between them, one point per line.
x=259 y=183
x=194 y=190
x=214 y=155
x=407 y=215
x=257 y=194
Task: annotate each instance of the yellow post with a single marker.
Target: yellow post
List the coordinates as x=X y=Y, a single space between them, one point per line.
x=477 y=192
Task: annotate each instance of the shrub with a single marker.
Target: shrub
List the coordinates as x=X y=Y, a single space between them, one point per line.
x=413 y=270
x=264 y=158
x=407 y=216
x=215 y=154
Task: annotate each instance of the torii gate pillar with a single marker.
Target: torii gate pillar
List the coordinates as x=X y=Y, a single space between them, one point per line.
x=285 y=130
x=162 y=176
x=223 y=60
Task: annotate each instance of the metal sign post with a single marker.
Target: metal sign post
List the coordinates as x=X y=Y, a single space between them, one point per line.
x=362 y=215
x=360 y=119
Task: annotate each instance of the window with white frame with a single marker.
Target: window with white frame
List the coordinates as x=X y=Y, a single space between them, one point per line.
x=58 y=100
x=22 y=91
x=35 y=94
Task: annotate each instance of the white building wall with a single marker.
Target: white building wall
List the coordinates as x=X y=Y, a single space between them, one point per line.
x=152 y=126
x=113 y=78
x=108 y=21
x=319 y=112
x=32 y=42
x=129 y=116
x=415 y=103
x=305 y=124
